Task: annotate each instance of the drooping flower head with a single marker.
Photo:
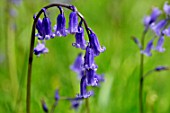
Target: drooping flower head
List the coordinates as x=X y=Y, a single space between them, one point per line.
x=166 y=8
x=166 y=32
x=40 y=49
x=73 y=21
x=148 y=20
x=44 y=106
x=89 y=59
x=160 y=43
x=79 y=36
x=39 y=28
x=57 y=97
x=91 y=80
x=83 y=89
x=94 y=43
x=148 y=49
x=60 y=29
x=77 y=66
x=157 y=28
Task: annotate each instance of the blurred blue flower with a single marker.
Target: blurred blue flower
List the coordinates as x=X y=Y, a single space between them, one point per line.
x=157 y=28
x=166 y=32
x=166 y=8
x=148 y=20
x=94 y=44
x=40 y=49
x=99 y=78
x=39 y=28
x=80 y=41
x=160 y=68
x=60 y=29
x=44 y=106
x=73 y=23
x=148 y=49
x=75 y=104
x=89 y=59
x=160 y=43
x=57 y=97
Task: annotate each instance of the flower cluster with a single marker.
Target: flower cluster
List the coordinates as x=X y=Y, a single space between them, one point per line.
x=85 y=66
x=158 y=27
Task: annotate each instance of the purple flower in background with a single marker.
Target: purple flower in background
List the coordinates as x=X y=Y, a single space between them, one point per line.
x=77 y=66
x=73 y=23
x=166 y=8
x=44 y=106
x=99 y=78
x=60 y=29
x=160 y=68
x=46 y=25
x=89 y=59
x=148 y=20
x=80 y=41
x=40 y=49
x=157 y=28
x=75 y=104
x=57 y=97
x=148 y=49
x=83 y=89
x=160 y=44
x=166 y=32
x=94 y=44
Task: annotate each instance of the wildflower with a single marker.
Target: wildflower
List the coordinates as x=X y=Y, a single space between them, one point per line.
x=91 y=81
x=60 y=29
x=157 y=28
x=99 y=78
x=148 y=20
x=73 y=23
x=94 y=44
x=166 y=32
x=80 y=41
x=89 y=59
x=46 y=25
x=44 y=106
x=40 y=49
x=83 y=89
x=160 y=68
x=57 y=97
x=148 y=49
x=39 y=28
x=75 y=104
x=166 y=8
x=77 y=66
x=160 y=44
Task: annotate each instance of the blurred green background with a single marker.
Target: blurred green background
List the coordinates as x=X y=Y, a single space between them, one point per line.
x=114 y=22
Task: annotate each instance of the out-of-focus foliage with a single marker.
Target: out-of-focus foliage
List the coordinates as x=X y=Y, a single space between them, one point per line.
x=114 y=22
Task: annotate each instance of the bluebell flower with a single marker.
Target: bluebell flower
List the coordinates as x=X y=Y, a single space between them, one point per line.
x=78 y=65
x=166 y=32
x=83 y=89
x=148 y=20
x=160 y=44
x=94 y=44
x=46 y=24
x=73 y=23
x=57 y=97
x=39 y=28
x=80 y=41
x=60 y=29
x=89 y=59
x=40 y=49
x=99 y=78
x=137 y=42
x=148 y=49
x=166 y=8
x=75 y=104
x=91 y=80
x=160 y=68
x=157 y=28
x=44 y=106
